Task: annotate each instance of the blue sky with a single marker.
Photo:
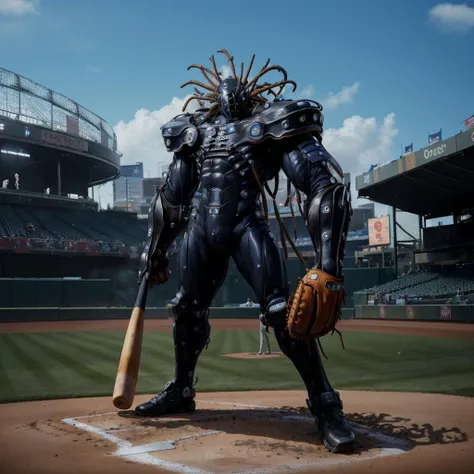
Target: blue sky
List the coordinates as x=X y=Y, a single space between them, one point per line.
x=408 y=63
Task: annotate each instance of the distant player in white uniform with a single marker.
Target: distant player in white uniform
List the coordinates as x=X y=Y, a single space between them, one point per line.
x=264 y=339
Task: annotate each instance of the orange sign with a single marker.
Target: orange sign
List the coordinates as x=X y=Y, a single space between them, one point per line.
x=379 y=231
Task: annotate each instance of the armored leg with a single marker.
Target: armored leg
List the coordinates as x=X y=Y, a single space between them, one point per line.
x=201 y=273
x=261 y=263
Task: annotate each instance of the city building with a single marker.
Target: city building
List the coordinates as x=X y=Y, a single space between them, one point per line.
x=127 y=188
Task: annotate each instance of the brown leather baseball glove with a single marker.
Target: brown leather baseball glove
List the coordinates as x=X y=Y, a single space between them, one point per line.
x=315 y=306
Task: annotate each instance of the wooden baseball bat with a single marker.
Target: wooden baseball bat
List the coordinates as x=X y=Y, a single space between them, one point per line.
x=129 y=365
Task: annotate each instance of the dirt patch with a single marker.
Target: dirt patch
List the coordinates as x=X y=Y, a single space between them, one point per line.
x=238 y=431
x=253 y=355
x=428 y=329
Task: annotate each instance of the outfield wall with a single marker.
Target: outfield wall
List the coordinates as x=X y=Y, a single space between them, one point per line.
x=11 y=315
x=428 y=312
x=119 y=289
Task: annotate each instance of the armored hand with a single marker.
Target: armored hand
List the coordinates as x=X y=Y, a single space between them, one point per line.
x=159 y=272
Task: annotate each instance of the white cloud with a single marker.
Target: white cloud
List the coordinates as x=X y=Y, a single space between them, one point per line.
x=140 y=140
x=346 y=94
x=17 y=7
x=93 y=69
x=361 y=142
x=304 y=93
x=332 y=101
x=452 y=17
x=225 y=71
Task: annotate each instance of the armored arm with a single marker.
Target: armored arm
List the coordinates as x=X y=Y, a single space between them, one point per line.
x=170 y=206
x=296 y=127
x=327 y=209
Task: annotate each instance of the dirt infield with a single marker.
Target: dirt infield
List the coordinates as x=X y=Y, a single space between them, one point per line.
x=418 y=328
x=238 y=432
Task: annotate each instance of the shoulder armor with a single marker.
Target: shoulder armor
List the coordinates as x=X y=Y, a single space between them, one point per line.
x=180 y=132
x=286 y=118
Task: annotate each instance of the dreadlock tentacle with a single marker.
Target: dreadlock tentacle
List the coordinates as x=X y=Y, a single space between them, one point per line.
x=199 y=94
x=200 y=84
x=213 y=61
x=259 y=100
x=265 y=65
x=231 y=61
x=213 y=110
x=265 y=70
x=194 y=97
x=205 y=70
x=272 y=86
x=251 y=87
x=247 y=72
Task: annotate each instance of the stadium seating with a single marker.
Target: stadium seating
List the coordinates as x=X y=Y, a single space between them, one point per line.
x=428 y=284
x=61 y=224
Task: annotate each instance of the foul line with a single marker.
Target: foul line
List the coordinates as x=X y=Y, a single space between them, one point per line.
x=141 y=453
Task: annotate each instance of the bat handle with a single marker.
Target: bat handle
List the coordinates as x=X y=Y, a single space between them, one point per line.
x=140 y=302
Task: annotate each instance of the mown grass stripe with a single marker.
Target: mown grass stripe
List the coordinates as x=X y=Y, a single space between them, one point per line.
x=77 y=363
x=217 y=342
x=28 y=354
x=227 y=367
x=234 y=346
x=226 y=336
x=371 y=362
x=9 y=366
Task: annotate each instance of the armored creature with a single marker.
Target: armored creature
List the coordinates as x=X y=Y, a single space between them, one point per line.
x=228 y=151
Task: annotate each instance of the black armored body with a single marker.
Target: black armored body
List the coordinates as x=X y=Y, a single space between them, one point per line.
x=229 y=151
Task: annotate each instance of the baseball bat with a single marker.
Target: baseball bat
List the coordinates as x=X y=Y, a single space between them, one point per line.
x=129 y=365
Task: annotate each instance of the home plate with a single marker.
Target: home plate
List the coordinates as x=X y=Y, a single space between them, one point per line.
x=229 y=437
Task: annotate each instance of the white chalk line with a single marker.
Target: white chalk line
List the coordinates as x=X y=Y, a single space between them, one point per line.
x=139 y=457
x=95 y=415
x=163 y=445
x=141 y=454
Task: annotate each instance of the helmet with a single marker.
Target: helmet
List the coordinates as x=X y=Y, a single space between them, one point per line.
x=233 y=99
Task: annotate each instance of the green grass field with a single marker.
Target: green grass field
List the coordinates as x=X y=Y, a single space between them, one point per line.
x=77 y=364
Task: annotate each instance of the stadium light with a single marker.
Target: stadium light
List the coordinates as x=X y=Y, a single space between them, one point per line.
x=16 y=153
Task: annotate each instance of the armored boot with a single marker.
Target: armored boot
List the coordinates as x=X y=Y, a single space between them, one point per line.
x=172 y=399
x=336 y=433
x=191 y=331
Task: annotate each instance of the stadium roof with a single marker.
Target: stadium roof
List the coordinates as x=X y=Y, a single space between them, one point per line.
x=435 y=181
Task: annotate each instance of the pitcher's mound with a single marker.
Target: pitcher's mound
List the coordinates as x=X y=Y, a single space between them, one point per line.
x=253 y=355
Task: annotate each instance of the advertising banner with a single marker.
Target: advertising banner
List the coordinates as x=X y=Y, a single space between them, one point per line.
x=66 y=141
x=379 y=231
x=434 y=152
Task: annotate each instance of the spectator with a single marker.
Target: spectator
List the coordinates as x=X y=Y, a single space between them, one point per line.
x=457 y=297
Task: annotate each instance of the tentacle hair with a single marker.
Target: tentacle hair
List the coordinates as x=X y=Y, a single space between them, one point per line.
x=255 y=90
